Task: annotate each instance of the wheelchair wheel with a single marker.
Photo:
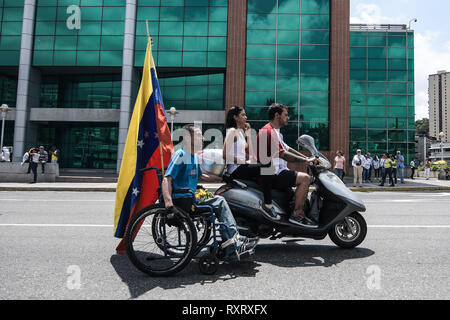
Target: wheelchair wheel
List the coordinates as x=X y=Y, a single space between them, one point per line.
x=208 y=265
x=166 y=252
x=204 y=228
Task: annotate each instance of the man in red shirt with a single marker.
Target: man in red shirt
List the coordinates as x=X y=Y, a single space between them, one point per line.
x=271 y=148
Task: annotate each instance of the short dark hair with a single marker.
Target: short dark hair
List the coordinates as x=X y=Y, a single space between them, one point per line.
x=274 y=109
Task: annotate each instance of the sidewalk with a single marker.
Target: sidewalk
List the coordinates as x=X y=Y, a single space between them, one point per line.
x=418 y=184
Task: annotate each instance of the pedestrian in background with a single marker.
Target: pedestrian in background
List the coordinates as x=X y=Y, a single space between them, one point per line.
x=427 y=169
x=5 y=156
x=54 y=152
x=367 y=165
x=412 y=166
x=339 y=162
x=394 y=168
x=357 y=164
x=43 y=158
x=400 y=166
x=26 y=159
x=34 y=160
x=387 y=163
x=376 y=167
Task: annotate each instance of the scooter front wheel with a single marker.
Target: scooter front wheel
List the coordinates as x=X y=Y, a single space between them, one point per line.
x=350 y=232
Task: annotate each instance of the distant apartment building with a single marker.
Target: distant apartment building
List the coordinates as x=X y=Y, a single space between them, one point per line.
x=439 y=104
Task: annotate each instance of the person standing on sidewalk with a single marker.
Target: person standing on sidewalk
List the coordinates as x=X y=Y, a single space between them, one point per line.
x=400 y=166
x=376 y=167
x=367 y=165
x=427 y=169
x=357 y=164
x=43 y=158
x=34 y=160
x=339 y=162
x=412 y=165
x=387 y=170
x=394 y=168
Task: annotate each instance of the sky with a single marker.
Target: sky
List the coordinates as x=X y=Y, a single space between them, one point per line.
x=431 y=35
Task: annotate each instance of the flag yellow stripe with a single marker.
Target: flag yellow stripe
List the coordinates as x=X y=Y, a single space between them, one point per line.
x=129 y=158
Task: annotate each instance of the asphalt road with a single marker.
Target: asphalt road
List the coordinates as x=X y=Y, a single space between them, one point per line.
x=60 y=245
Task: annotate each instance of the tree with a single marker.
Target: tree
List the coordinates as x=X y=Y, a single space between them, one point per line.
x=422 y=126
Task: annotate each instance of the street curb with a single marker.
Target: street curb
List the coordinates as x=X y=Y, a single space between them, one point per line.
x=398 y=189
x=69 y=189
x=113 y=189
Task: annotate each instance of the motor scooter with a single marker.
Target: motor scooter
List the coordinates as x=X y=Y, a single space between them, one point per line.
x=331 y=205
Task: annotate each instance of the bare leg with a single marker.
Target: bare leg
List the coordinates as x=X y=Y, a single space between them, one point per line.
x=302 y=182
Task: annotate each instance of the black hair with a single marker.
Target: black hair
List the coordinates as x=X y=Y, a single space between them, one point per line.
x=231 y=122
x=274 y=109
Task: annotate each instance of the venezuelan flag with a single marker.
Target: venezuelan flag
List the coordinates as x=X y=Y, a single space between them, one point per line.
x=148 y=144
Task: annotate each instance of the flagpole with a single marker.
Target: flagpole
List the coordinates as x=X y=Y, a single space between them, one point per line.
x=160 y=143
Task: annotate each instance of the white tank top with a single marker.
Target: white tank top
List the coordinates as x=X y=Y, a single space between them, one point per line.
x=238 y=153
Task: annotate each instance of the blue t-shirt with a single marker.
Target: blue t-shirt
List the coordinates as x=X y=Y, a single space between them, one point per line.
x=400 y=165
x=184 y=169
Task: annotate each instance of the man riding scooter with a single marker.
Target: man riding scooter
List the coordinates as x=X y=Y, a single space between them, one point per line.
x=271 y=147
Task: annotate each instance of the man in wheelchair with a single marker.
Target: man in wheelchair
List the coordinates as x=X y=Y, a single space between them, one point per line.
x=183 y=172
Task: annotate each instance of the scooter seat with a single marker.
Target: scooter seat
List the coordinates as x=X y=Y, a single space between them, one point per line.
x=282 y=194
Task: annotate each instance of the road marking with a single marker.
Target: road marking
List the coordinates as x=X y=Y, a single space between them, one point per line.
x=60 y=200
x=111 y=226
x=57 y=225
x=393 y=226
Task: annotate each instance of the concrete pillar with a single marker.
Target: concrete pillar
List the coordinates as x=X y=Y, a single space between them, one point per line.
x=26 y=80
x=236 y=54
x=130 y=78
x=340 y=77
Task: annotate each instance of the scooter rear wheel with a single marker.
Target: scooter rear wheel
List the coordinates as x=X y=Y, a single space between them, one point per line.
x=349 y=233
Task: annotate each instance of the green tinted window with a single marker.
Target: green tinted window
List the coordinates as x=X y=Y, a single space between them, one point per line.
x=288 y=62
x=91 y=37
x=87 y=146
x=184 y=30
x=11 y=14
x=388 y=103
x=203 y=92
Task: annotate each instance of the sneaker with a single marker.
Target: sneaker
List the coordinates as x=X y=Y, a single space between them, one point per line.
x=270 y=213
x=247 y=245
x=241 y=246
x=304 y=222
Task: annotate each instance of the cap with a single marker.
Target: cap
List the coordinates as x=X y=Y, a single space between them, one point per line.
x=41 y=147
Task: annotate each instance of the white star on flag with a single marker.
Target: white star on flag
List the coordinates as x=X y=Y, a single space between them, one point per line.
x=146 y=134
x=140 y=143
x=135 y=192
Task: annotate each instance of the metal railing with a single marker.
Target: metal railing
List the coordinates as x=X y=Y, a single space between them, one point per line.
x=378 y=27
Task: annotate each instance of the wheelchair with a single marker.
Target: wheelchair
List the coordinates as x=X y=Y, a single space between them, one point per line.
x=161 y=244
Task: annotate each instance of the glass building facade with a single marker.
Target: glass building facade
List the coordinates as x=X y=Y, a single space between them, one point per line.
x=288 y=46
x=11 y=16
x=87 y=58
x=382 y=112
x=79 y=33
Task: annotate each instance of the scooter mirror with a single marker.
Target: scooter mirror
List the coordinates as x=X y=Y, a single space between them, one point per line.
x=308 y=143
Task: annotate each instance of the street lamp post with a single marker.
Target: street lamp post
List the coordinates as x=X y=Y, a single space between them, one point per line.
x=441 y=138
x=4 y=109
x=173 y=112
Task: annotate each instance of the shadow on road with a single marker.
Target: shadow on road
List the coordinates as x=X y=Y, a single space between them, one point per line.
x=139 y=283
x=285 y=255
x=291 y=254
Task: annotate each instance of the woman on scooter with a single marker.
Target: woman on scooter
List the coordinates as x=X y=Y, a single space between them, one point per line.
x=237 y=154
